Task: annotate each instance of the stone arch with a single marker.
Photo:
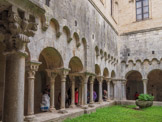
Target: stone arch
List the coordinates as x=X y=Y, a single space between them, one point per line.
x=56 y=26
x=77 y=39
x=50 y=59
x=106 y=72
x=134 y=84
x=113 y=75
x=101 y=53
x=97 y=51
x=68 y=33
x=75 y=65
x=97 y=69
x=154 y=86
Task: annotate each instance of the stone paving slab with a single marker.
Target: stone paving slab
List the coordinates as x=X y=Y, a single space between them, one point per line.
x=72 y=112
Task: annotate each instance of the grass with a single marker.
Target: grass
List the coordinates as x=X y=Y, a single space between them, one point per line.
x=122 y=114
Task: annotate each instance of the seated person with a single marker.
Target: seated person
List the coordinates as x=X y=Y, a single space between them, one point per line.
x=45 y=105
x=105 y=95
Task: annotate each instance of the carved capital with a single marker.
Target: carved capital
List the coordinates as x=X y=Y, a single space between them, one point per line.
x=64 y=72
x=92 y=80
x=145 y=81
x=32 y=68
x=72 y=78
x=100 y=79
x=51 y=74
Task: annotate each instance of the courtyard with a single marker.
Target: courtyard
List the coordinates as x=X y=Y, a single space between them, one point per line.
x=122 y=114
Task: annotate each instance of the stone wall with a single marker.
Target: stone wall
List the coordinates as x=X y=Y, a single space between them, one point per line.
x=141 y=52
x=81 y=18
x=2 y=78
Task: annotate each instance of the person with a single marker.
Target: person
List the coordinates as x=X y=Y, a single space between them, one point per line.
x=94 y=96
x=136 y=95
x=105 y=95
x=45 y=104
x=76 y=96
x=48 y=89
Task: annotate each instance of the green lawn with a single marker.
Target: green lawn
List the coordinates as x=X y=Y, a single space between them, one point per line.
x=122 y=114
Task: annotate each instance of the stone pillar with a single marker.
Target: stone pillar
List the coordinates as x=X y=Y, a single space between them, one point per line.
x=91 y=92
x=84 y=80
x=72 y=78
x=124 y=90
x=32 y=68
x=52 y=75
x=15 y=42
x=115 y=90
x=108 y=89
x=145 y=81
x=14 y=85
x=80 y=93
x=100 y=80
x=63 y=73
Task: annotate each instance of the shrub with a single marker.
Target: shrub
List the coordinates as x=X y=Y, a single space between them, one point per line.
x=145 y=97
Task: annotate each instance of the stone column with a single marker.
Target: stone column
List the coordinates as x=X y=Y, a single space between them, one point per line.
x=91 y=92
x=13 y=110
x=15 y=41
x=115 y=90
x=63 y=73
x=80 y=93
x=52 y=75
x=32 y=68
x=100 y=80
x=124 y=90
x=145 y=81
x=85 y=81
x=72 y=78
x=108 y=89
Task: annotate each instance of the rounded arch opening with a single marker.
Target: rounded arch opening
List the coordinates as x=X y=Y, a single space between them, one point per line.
x=154 y=86
x=97 y=69
x=134 y=84
x=106 y=72
x=50 y=59
x=75 y=65
x=113 y=74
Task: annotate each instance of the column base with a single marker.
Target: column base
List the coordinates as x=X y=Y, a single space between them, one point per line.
x=72 y=106
x=100 y=102
x=29 y=118
x=84 y=106
x=52 y=110
x=91 y=105
x=108 y=100
x=62 y=111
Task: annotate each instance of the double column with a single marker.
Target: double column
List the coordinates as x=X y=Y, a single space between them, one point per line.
x=100 y=80
x=145 y=81
x=91 y=92
x=52 y=75
x=123 y=84
x=72 y=78
x=63 y=73
x=84 y=82
x=32 y=68
x=115 y=89
x=108 y=89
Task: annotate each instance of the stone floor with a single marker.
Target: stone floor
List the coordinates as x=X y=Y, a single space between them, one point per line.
x=72 y=112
